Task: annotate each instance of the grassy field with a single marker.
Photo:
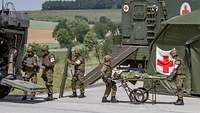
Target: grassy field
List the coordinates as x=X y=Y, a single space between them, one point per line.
x=92 y=15
x=60 y=56
x=42 y=25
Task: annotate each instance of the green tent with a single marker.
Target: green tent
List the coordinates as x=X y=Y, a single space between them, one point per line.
x=182 y=33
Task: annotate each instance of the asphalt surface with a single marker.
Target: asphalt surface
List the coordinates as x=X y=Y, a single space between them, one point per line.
x=92 y=104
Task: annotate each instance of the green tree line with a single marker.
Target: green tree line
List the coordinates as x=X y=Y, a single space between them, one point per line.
x=81 y=4
x=98 y=38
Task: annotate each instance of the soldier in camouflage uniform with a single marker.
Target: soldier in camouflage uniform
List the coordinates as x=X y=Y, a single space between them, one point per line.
x=30 y=67
x=48 y=63
x=179 y=76
x=79 y=70
x=111 y=87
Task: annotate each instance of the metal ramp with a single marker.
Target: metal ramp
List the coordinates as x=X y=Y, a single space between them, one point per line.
x=22 y=85
x=95 y=74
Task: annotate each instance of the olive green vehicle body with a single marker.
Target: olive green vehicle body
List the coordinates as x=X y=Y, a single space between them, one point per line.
x=142 y=23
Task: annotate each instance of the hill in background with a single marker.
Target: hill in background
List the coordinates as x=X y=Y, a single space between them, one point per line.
x=92 y=15
x=81 y=4
x=43 y=23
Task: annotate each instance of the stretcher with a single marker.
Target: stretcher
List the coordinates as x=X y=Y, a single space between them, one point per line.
x=141 y=94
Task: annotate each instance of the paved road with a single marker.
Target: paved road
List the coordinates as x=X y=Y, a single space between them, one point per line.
x=92 y=104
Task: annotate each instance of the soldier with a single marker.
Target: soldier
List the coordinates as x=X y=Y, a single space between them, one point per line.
x=30 y=67
x=106 y=72
x=79 y=70
x=48 y=63
x=179 y=76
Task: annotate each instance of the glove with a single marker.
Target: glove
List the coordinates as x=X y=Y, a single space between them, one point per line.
x=44 y=65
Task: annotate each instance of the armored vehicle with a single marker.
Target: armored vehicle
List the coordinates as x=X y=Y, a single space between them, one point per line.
x=13 y=37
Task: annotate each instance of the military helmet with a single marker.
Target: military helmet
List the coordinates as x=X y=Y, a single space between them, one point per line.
x=107 y=58
x=29 y=49
x=77 y=51
x=173 y=52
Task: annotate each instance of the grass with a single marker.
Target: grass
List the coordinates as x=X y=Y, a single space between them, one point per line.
x=42 y=25
x=60 y=56
x=93 y=15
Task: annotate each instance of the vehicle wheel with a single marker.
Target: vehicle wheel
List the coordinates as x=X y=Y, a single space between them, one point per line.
x=136 y=96
x=146 y=93
x=4 y=91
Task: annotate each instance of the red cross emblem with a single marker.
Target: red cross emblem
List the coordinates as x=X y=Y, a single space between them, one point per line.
x=126 y=8
x=166 y=64
x=185 y=9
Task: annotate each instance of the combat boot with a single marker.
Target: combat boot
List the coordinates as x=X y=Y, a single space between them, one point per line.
x=49 y=98
x=74 y=94
x=32 y=98
x=82 y=95
x=114 y=100
x=24 y=98
x=104 y=100
x=179 y=102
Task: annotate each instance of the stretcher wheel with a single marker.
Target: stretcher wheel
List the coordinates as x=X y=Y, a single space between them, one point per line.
x=137 y=96
x=146 y=94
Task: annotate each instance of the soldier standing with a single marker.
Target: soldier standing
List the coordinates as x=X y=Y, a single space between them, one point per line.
x=79 y=70
x=48 y=63
x=111 y=87
x=30 y=67
x=179 y=75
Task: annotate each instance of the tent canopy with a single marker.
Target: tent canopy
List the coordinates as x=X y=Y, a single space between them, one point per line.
x=192 y=18
x=182 y=33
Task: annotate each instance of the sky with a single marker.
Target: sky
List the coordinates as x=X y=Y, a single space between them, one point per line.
x=27 y=4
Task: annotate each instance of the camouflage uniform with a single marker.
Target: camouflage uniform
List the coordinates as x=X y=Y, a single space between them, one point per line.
x=48 y=62
x=179 y=77
x=106 y=77
x=30 y=67
x=79 y=70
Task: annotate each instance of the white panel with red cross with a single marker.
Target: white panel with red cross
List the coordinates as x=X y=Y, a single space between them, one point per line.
x=164 y=62
x=125 y=8
x=185 y=9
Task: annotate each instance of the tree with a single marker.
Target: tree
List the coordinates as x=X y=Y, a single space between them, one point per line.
x=80 y=29
x=78 y=17
x=81 y=4
x=101 y=30
x=106 y=47
x=63 y=34
x=104 y=20
x=91 y=42
x=68 y=33
x=113 y=28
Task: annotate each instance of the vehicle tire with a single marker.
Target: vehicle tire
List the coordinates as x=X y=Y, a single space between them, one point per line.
x=146 y=93
x=4 y=91
x=136 y=96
